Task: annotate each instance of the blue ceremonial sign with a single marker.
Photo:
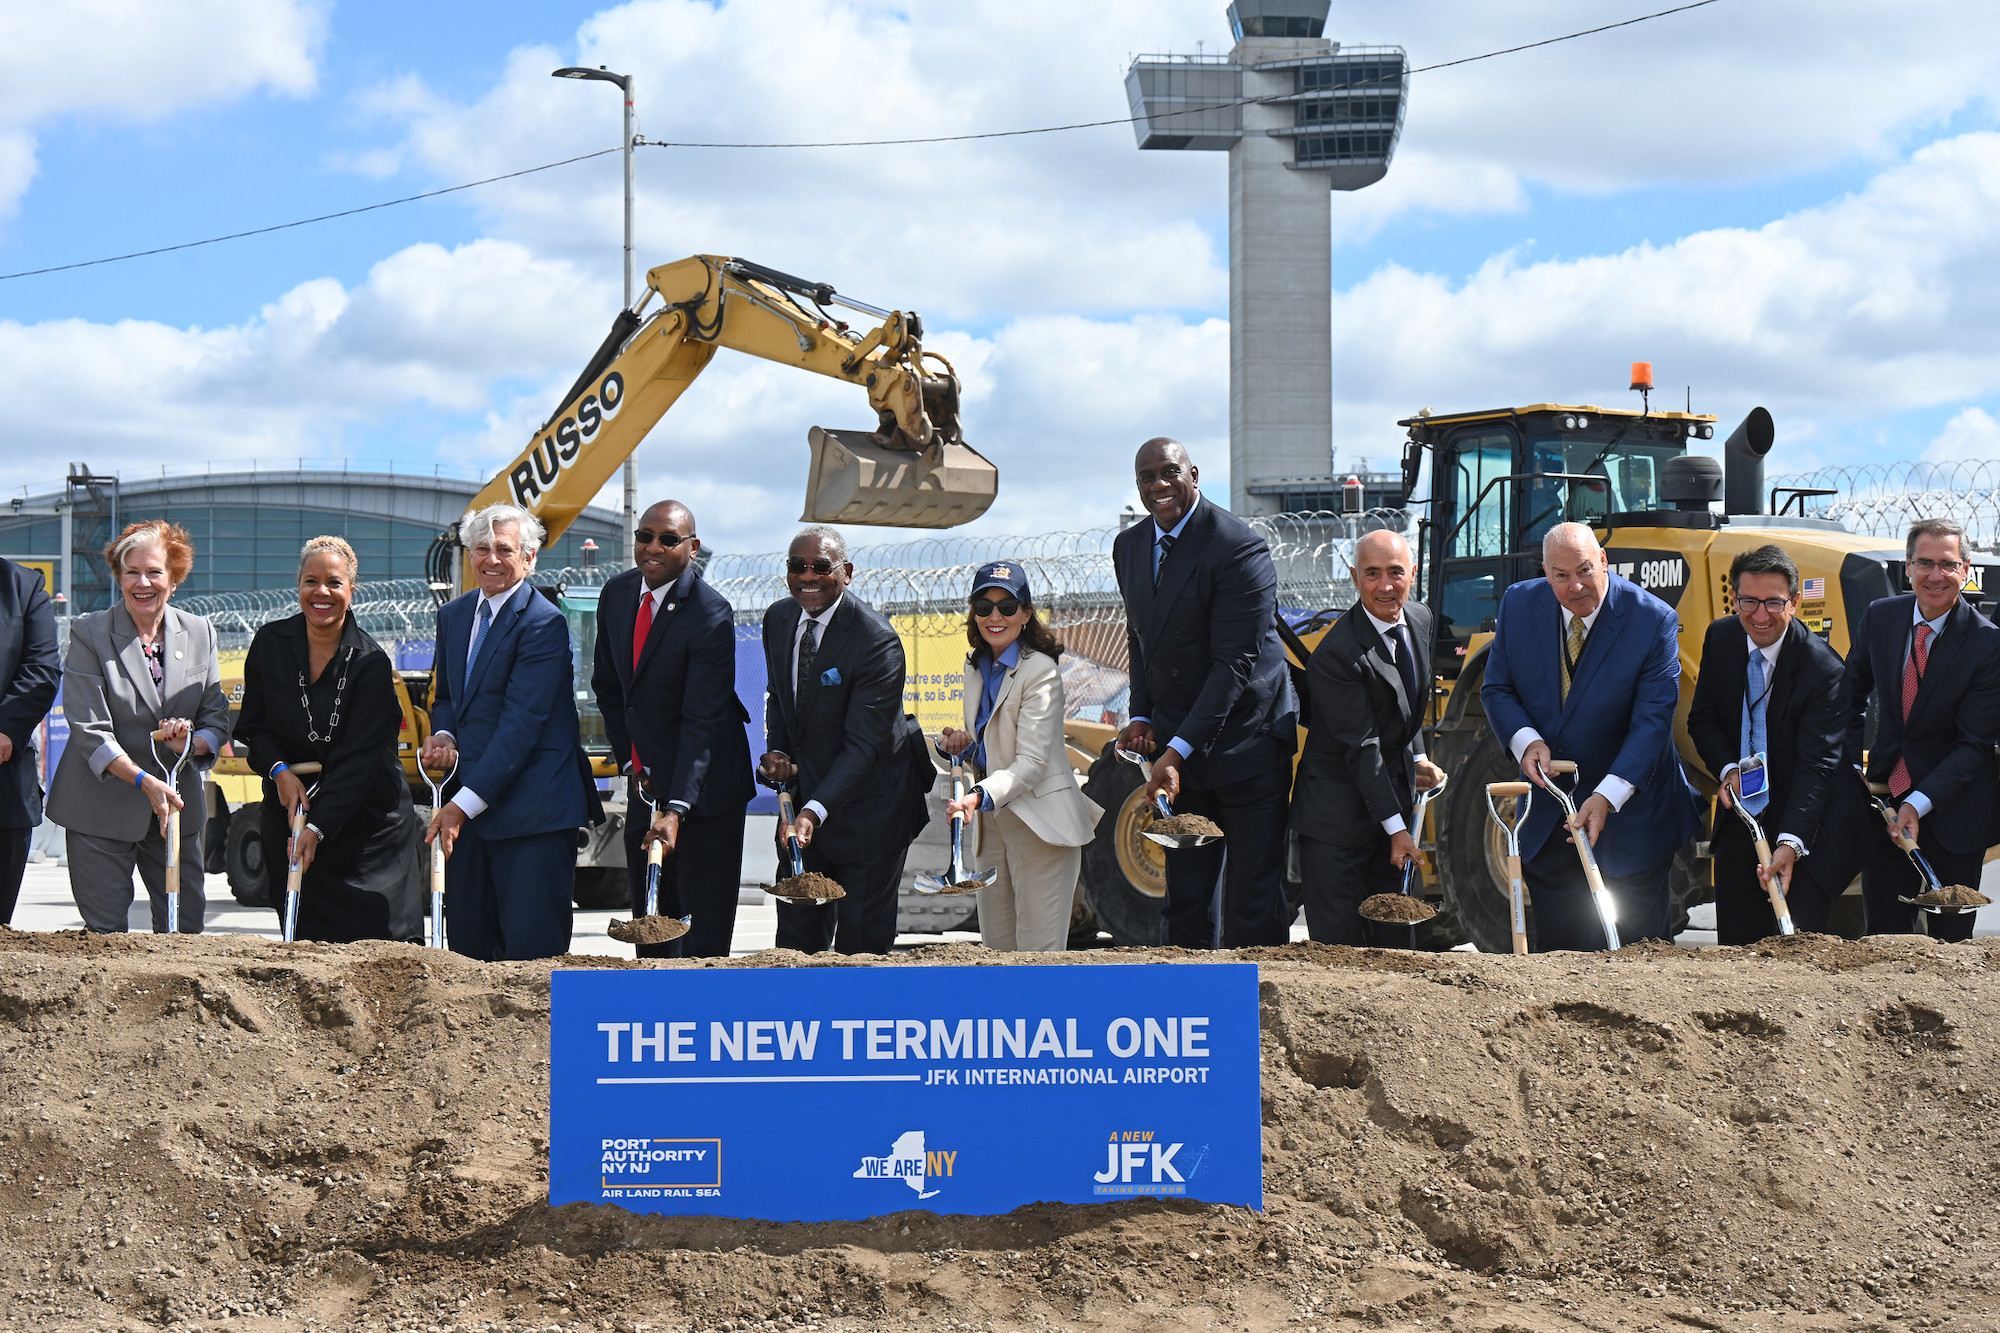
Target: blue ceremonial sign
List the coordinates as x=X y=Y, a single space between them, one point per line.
x=810 y=1094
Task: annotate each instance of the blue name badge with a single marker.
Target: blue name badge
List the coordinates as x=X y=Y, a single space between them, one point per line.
x=816 y=1094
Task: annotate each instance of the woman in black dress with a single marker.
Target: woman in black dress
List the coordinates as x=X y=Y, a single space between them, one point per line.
x=316 y=688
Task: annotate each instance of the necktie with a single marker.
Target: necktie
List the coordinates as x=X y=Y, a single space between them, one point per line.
x=808 y=646
x=1756 y=704
x=1913 y=676
x=1578 y=632
x=478 y=637
x=1166 y=547
x=1406 y=666
x=639 y=633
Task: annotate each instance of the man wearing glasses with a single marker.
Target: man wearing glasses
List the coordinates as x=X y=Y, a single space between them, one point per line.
x=1768 y=688
x=665 y=680
x=837 y=737
x=1930 y=665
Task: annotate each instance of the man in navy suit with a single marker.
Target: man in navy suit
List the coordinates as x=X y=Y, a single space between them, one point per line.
x=29 y=672
x=1586 y=666
x=837 y=736
x=665 y=680
x=1211 y=700
x=1930 y=665
x=504 y=707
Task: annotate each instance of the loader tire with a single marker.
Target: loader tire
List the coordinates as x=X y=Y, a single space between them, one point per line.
x=1124 y=876
x=249 y=876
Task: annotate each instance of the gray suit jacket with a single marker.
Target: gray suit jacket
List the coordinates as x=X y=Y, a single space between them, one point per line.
x=112 y=709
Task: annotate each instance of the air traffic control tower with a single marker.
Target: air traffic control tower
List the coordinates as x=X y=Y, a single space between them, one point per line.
x=1299 y=115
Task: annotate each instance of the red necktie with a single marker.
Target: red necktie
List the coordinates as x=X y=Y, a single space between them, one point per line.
x=645 y=627
x=1913 y=676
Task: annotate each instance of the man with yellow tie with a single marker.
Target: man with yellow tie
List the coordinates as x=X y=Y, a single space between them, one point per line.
x=1585 y=666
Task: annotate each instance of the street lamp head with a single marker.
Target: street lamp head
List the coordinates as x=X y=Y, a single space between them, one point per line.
x=600 y=74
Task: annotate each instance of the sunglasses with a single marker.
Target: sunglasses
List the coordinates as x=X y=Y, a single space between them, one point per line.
x=667 y=539
x=986 y=606
x=821 y=566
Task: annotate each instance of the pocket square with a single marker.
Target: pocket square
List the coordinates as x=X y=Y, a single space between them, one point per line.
x=830 y=676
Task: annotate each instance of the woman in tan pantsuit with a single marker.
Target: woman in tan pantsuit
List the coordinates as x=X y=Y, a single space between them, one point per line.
x=1033 y=818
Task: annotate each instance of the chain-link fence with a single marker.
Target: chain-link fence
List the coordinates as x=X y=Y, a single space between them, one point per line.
x=1883 y=499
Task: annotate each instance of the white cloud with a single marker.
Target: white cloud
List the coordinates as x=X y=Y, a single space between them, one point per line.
x=1972 y=434
x=140 y=60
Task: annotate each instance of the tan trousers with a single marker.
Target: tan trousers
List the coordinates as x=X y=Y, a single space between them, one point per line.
x=1027 y=908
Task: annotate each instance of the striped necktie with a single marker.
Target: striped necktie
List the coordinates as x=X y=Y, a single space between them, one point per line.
x=1578 y=632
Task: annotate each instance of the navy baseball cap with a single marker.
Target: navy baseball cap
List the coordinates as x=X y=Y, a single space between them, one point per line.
x=1006 y=574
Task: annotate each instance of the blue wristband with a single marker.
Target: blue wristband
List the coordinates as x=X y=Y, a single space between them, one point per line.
x=139 y=779
x=280 y=767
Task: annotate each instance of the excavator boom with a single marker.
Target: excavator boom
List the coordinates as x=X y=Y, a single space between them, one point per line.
x=912 y=469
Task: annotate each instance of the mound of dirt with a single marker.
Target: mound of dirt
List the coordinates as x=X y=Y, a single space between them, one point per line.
x=1952 y=895
x=1396 y=907
x=812 y=884
x=1791 y=1137
x=1179 y=826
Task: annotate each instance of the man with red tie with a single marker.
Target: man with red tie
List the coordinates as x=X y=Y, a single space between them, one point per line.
x=665 y=679
x=1930 y=665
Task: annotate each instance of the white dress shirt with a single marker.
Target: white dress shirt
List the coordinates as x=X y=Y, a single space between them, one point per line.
x=1916 y=799
x=823 y=619
x=1181 y=747
x=468 y=800
x=658 y=597
x=1394 y=823
x=1791 y=840
x=1613 y=788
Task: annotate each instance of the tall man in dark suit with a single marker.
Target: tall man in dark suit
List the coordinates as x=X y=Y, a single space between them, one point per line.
x=1768 y=686
x=665 y=679
x=837 y=735
x=504 y=707
x=1353 y=808
x=1586 y=666
x=29 y=673
x=1930 y=664
x=1211 y=701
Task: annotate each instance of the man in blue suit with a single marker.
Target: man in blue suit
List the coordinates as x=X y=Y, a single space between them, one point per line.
x=1586 y=666
x=504 y=707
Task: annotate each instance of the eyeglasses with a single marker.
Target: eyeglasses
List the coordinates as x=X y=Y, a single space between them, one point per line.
x=821 y=566
x=667 y=539
x=1922 y=566
x=986 y=606
x=1768 y=605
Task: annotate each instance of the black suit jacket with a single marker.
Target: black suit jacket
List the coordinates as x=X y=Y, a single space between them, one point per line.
x=849 y=736
x=1948 y=740
x=680 y=708
x=1813 y=796
x=1359 y=765
x=1205 y=658
x=29 y=674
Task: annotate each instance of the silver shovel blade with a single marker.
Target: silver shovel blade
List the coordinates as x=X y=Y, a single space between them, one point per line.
x=1181 y=842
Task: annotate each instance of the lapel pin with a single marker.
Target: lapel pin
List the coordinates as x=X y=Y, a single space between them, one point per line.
x=670 y=606
x=177 y=654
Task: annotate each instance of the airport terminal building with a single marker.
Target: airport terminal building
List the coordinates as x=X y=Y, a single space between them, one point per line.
x=248 y=525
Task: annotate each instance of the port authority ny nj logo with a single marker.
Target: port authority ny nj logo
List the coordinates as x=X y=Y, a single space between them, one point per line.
x=908 y=1162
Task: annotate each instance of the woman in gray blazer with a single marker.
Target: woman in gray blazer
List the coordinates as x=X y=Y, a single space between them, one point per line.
x=142 y=666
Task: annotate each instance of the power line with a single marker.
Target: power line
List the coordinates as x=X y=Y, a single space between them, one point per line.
x=306 y=222
x=848 y=143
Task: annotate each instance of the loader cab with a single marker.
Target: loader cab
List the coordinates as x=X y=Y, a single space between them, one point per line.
x=1499 y=480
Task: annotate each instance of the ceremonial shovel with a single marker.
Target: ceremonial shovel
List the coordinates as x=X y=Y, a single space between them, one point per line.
x=1178 y=842
x=652 y=928
x=1517 y=902
x=957 y=880
x=1607 y=907
x=293 y=874
x=779 y=890
x=435 y=925
x=173 y=826
x=1773 y=886
x=1424 y=798
x=1876 y=791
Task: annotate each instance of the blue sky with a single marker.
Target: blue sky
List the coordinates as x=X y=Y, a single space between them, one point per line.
x=1708 y=192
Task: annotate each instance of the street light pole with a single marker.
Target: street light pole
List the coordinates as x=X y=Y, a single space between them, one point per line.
x=624 y=83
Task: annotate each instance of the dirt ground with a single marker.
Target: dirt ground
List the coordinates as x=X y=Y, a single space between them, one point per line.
x=223 y=1132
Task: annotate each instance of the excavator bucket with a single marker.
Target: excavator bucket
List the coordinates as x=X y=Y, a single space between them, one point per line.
x=855 y=480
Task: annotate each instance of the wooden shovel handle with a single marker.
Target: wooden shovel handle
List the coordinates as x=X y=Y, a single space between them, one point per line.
x=1561 y=766
x=1517 y=910
x=1510 y=788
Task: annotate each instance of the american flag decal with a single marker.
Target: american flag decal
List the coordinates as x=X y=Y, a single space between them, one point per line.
x=1813 y=588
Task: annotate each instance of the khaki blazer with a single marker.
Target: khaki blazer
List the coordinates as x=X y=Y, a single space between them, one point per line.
x=112 y=708
x=1027 y=764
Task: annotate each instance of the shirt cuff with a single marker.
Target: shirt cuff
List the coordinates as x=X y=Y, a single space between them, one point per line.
x=1521 y=740
x=1615 y=790
x=214 y=743
x=1919 y=802
x=985 y=801
x=818 y=812
x=1181 y=746
x=679 y=807
x=1791 y=840
x=106 y=753
x=1140 y=718
x=1723 y=776
x=1393 y=825
x=468 y=801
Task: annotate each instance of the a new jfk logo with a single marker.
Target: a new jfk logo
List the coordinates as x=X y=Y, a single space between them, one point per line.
x=1134 y=1150
x=549 y=455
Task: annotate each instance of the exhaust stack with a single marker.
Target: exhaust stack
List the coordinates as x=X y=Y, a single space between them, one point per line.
x=1743 y=463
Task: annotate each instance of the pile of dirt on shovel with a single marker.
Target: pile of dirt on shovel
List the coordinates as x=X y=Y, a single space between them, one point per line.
x=216 y=1132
